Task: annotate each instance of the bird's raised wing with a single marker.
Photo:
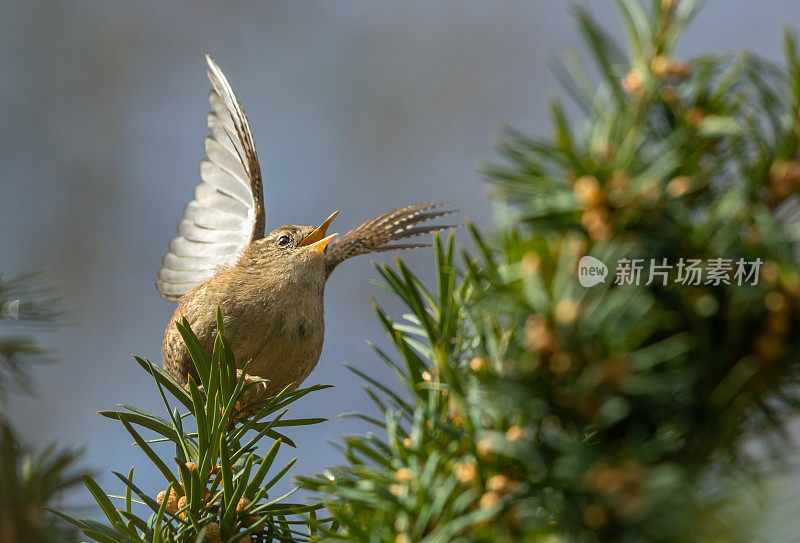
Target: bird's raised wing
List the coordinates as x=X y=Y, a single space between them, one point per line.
x=227 y=212
x=376 y=235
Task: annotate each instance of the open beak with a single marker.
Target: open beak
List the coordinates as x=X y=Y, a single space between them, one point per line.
x=320 y=245
x=316 y=240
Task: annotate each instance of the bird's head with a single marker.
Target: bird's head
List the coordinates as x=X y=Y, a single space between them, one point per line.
x=291 y=249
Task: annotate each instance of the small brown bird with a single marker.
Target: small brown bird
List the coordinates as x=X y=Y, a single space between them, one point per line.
x=270 y=288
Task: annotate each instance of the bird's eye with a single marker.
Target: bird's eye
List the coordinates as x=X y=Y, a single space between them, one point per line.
x=283 y=241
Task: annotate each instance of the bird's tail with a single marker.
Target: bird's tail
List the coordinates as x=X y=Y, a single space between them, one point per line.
x=378 y=234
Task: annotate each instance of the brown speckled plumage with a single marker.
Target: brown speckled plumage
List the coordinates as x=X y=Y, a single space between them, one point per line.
x=270 y=288
x=271 y=300
x=375 y=235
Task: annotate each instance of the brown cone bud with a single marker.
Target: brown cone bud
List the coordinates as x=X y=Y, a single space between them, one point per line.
x=212 y=532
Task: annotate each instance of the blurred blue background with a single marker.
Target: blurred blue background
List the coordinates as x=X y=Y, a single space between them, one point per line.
x=355 y=105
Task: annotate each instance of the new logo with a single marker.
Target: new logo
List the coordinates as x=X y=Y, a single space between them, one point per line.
x=591 y=271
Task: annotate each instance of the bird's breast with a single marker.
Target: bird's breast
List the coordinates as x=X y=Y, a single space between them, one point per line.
x=282 y=334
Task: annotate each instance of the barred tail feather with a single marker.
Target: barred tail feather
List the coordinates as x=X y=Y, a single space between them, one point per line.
x=378 y=234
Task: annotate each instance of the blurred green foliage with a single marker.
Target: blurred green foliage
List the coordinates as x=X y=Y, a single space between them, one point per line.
x=25 y=304
x=29 y=481
x=537 y=409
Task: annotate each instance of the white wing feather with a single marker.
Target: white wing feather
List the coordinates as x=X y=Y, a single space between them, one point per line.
x=227 y=213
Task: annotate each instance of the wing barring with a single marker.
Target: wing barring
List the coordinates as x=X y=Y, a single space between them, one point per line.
x=227 y=213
